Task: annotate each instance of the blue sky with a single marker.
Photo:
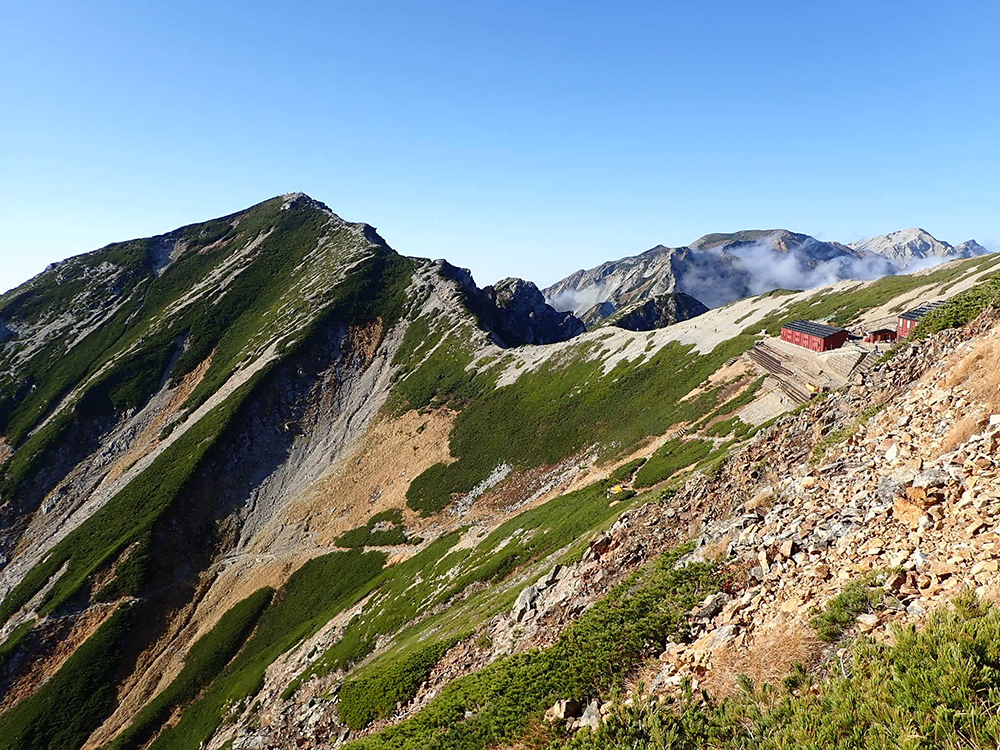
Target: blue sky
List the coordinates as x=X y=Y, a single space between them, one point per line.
x=514 y=138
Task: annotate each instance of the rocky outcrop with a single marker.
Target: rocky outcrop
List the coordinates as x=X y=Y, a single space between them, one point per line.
x=514 y=310
x=658 y=312
x=522 y=315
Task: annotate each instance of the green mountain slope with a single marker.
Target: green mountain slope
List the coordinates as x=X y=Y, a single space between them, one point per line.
x=258 y=463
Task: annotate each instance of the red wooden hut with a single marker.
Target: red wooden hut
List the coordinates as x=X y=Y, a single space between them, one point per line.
x=815 y=336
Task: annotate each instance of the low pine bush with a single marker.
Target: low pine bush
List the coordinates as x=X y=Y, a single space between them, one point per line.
x=929 y=689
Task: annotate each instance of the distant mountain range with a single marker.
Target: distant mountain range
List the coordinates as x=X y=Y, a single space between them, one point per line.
x=909 y=248
x=717 y=269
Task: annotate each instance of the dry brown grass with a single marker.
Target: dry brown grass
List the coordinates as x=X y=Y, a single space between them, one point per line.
x=717 y=550
x=959 y=433
x=768 y=658
x=979 y=373
x=763 y=500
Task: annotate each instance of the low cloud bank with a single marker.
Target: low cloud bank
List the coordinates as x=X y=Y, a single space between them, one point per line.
x=578 y=301
x=716 y=277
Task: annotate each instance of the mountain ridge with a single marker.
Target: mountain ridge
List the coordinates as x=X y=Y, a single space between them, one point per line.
x=275 y=485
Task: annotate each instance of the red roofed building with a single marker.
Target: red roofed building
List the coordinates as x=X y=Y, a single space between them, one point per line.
x=815 y=336
x=908 y=320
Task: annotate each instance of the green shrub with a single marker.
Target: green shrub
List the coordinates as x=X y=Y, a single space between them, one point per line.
x=625 y=472
x=842 y=611
x=732 y=426
x=928 y=689
x=495 y=706
x=961 y=309
x=369 y=536
x=131 y=574
x=374 y=696
x=364 y=536
x=315 y=592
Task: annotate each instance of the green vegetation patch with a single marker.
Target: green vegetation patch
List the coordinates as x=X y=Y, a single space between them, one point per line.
x=963 y=308
x=371 y=535
x=314 y=593
x=373 y=696
x=206 y=658
x=130 y=575
x=126 y=518
x=495 y=706
x=670 y=458
x=732 y=426
x=842 y=611
x=625 y=472
x=63 y=712
x=565 y=406
x=437 y=575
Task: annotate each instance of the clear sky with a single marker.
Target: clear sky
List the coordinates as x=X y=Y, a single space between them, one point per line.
x=514 y=138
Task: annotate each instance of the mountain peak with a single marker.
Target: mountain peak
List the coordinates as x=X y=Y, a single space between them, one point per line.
x=915 y=246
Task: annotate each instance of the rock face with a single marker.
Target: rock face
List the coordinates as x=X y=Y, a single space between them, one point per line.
x=514 y=310
x=522 y=315
x=715 y=269
x=914 y=247
x=658 y=312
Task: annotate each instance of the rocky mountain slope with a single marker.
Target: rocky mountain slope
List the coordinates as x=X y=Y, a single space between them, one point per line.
x=719 y=268
x=656 y=312
x=915 y=247
x=268 y=483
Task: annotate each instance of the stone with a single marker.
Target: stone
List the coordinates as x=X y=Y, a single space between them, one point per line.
x=985 y=566
x=713 y=640
x=524 y=606
x=591 y=718
x=974 y=527
x=563 y=709
x=931 y=478
x=787 y=548
x=762 y=559
x=867 y=622
x=712 y=605
x=892 y=452
x=791 y=606
x=943 y=568
x=907 y=511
